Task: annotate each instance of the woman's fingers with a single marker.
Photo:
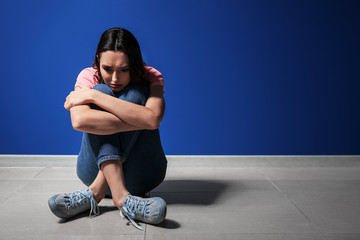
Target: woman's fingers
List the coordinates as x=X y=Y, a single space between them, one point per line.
x=67 y=103
x=78 y=97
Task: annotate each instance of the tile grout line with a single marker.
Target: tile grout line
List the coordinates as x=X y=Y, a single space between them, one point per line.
x=4 y=200
x=16 y=167
x=30 y=179
x=145 y=231
x=39 y=173
x=306 y=217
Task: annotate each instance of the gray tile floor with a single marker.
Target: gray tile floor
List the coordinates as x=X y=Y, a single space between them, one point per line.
x=209 y=197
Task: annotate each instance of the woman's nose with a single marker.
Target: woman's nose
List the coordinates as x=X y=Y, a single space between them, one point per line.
x=115 y=76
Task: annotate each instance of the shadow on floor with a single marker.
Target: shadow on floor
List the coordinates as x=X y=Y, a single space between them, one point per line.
x=169 y=224
x=189 y=192
x=196 y=192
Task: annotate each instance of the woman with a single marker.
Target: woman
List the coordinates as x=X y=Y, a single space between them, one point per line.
x=118 y=104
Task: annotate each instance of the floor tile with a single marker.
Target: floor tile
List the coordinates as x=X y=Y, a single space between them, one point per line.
x=342 y=236
x=60 y=173
x=233 y=212
x=4 y=196
x=11 y=185
x=290 y=186
x=62 y=236
x=37 y=160
x=337 y=212
x=235 y=236
x=219 y=173
x=19 y=172
x=208 y=197
x=315 y=173
x=214 y=186
x=281 y=161
x=34 y=216
x=52 y=186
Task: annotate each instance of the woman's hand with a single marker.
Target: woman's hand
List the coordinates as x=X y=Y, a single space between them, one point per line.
x=82 y=95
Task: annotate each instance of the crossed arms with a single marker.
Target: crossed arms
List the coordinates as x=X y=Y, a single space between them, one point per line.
x=120 y=116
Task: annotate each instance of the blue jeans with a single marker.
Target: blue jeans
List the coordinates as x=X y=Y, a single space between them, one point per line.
x=141 y=152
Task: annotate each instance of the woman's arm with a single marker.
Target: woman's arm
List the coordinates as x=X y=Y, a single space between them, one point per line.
x=121 y=116
x=144 y=117
x=85 y=119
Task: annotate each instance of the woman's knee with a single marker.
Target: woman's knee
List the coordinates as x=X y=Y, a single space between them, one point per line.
x=104 y=89
x=137 y=94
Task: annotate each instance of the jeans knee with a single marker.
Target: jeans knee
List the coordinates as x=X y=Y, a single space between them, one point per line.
x=137 y=94
x=104 y=89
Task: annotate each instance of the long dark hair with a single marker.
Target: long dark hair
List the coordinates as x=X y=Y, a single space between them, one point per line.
x=120 y=39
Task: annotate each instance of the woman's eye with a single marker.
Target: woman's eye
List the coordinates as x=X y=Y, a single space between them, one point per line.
x=107 y=69
x=125 y=70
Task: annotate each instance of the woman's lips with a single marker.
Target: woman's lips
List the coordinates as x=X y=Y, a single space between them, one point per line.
x=115 y=85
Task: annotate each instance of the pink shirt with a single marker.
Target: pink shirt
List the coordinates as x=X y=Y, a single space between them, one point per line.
x=87 y=77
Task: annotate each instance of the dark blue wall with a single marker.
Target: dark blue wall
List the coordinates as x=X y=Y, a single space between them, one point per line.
x=242 y=77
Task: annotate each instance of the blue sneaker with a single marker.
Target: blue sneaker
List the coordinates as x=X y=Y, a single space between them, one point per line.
x=70 y=204
x=148 y=210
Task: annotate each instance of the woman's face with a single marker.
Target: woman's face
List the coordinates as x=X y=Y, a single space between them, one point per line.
x=114 y=69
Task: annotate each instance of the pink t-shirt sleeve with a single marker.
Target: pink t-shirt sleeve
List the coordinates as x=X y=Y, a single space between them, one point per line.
x=154 y=76
x=86 y=77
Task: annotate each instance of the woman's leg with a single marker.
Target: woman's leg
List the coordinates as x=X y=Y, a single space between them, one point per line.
x=145 y=163
x=113 y=173
x=108 y=153
x=151 y=210
x=94 y=150
x=88 y=170
x=99 y=187
x=145 y=166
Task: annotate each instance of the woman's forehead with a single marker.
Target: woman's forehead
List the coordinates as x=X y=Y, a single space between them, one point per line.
x=114 y=58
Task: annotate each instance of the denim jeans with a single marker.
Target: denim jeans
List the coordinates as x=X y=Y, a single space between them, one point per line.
x=141 y=152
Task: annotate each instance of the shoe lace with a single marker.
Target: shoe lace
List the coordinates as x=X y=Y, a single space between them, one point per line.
x=94 y=207
x=76 y=198
x=134 y=207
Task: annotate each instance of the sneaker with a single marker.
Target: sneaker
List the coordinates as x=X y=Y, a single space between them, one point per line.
x=70 y=204
x=148 y=210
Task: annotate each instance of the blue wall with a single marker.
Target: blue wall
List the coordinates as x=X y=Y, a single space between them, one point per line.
x=242 y=77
